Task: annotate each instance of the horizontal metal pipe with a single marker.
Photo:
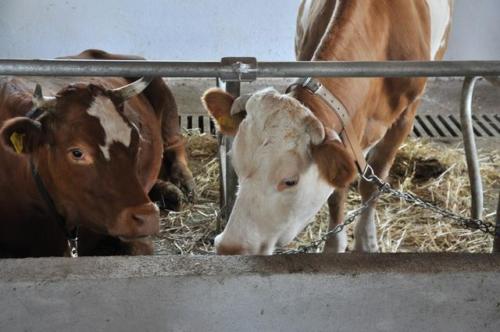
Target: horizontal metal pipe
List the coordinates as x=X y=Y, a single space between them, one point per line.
x=125 y=68
x=379 y=69
x=130 y=68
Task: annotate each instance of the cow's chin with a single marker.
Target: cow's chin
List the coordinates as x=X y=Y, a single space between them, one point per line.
x=223 y=247
x=134 y=239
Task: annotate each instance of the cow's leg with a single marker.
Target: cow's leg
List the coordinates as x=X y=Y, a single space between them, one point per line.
x=380 y=158
x=166 y=195
x=175 y=166
x=336 y=202
x=175 y=182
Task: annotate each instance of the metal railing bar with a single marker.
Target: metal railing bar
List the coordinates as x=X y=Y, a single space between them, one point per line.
x=470 y=147
x=136 y=68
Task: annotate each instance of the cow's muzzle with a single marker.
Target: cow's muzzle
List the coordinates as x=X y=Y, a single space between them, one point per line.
x=224 y=248
x=137 y=222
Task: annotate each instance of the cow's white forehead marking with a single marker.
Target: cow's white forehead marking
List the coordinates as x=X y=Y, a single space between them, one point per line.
x=115 y=127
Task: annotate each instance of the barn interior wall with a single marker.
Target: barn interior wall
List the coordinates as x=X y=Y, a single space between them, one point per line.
x=196 y=30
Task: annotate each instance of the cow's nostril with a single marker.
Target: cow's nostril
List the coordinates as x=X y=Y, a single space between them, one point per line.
x=140 y=219
x=137 y=221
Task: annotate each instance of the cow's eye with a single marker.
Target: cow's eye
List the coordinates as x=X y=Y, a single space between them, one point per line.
x=288 y=183
x=77 y=154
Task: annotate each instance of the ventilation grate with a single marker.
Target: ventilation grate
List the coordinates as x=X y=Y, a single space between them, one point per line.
x=484 y=125
x=427 y=125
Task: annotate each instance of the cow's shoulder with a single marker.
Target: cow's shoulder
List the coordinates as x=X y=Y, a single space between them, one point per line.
x=15 y=97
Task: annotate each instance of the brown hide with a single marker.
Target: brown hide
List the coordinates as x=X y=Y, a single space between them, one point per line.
x=363 y=30
x=175 y=166
x=109 y=197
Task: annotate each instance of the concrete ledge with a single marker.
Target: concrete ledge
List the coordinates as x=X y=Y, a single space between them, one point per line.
x=383 y=292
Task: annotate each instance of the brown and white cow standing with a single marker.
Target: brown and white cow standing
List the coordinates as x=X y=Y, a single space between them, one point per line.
x=287 y=152
x=97 y=147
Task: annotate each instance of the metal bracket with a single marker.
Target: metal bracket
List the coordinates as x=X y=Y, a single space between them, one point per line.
x=311 y=84
x=243 y=69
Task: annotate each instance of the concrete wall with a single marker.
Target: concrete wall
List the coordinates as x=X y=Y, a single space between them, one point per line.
x=196 y=30
x=346 y=292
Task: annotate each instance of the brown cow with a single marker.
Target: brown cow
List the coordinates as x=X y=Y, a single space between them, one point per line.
x=85 y=156
x=290 y=150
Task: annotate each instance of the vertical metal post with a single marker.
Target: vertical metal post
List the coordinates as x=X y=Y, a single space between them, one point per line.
x=476 y=185
x=496 y=241
x=228 y=179
x=244 y=69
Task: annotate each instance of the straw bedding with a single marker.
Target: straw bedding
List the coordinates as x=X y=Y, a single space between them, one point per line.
x=433 y=170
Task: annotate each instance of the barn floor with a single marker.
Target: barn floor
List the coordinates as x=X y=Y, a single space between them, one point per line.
x=433 y=169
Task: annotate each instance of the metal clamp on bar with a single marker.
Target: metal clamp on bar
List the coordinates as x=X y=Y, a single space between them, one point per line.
x=311 y=84
x=244 y=69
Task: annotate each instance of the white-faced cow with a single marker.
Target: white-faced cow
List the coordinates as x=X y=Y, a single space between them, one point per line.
x=293 y=152
x=85 y=156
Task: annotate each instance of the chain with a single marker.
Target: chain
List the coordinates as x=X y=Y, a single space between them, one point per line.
x=314 y=245
x=470 y=223
x=73 y=247
x=384 y=187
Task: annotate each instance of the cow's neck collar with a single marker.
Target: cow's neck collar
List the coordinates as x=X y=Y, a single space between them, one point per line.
x=71 y=234
x=346 y=132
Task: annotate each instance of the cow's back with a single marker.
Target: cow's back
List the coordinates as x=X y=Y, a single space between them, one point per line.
x=409 y=30
x=312 y=21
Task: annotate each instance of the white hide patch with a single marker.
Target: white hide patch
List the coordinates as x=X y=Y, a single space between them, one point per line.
x=272 y=143
x=115 y=128
x=310 y=13
x=440 y=14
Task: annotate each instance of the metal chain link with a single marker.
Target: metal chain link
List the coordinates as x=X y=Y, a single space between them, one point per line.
x=384 y=187
x=337 y=229
x=470 y=223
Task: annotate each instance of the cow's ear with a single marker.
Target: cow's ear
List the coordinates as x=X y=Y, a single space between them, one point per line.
x=21 y=135
x=315 y=129
x=220 y=106
x=335 y=164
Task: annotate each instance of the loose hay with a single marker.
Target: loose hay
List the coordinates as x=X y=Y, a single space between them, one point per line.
x=427 y=168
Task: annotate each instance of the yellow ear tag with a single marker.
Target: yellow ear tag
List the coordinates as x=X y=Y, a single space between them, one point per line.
x=17 y=141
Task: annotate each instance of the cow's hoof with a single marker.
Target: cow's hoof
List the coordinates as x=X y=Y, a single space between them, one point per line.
x=188 y=188
x=337 y=243
x=366 y=245
x=167 y=196
x=182 y=177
